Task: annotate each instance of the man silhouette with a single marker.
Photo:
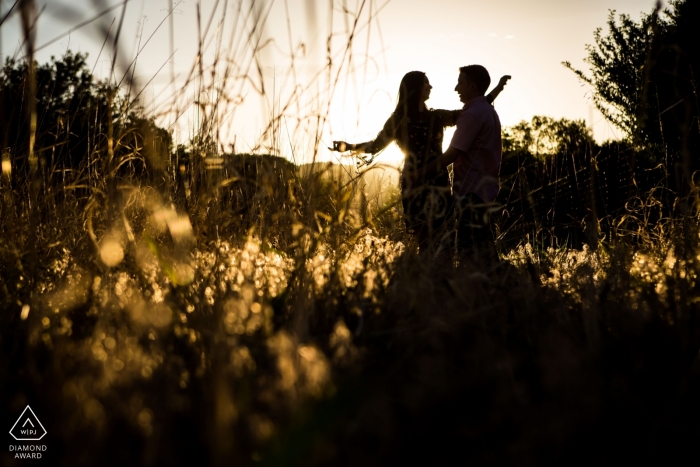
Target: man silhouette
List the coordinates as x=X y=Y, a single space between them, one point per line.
x=475 y=151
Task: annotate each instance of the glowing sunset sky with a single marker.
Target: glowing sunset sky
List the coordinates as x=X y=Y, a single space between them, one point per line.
x=526 y=39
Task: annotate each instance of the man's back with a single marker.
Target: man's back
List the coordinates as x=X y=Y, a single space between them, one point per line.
x=478 y=135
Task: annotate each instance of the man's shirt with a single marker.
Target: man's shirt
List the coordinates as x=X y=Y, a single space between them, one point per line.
x=478 y=135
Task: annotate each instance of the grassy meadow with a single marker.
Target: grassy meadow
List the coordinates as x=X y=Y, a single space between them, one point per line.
x=176 y=305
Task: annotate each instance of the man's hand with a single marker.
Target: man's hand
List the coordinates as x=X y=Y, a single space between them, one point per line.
x=419 y=176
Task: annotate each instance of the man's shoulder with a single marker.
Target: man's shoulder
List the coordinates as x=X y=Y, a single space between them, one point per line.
x=480 y=106
x=477 y=111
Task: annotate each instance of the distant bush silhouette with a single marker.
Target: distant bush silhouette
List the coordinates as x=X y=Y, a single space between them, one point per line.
x=560 y=187
x=545 y=149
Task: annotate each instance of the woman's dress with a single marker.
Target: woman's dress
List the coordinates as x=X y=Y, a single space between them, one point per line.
x=420 y=138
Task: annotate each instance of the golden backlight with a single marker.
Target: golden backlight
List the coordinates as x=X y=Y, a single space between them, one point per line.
x=353 y=98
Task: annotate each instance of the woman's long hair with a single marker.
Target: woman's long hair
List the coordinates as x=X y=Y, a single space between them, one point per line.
x=410 y=92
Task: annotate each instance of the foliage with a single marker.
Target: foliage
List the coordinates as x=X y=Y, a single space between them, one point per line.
x=545 y=136
x=542 y=151
x=68 y=105
x=643 y=76
x=73 y=118
x=617 y=64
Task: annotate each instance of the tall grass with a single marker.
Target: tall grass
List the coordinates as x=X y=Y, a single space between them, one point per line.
x=196 y=306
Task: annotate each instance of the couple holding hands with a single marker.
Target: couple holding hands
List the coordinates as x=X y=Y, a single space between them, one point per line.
x=441 y=214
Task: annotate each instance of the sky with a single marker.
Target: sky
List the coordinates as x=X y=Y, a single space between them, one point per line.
x=525 y=39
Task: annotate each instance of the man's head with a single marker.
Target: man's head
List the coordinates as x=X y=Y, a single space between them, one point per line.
x=473 y=82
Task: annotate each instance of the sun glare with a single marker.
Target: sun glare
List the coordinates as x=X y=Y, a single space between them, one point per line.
x=392 y=155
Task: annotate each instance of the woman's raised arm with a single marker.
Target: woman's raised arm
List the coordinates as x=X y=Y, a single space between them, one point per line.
x=497 y=90
x=449 y=117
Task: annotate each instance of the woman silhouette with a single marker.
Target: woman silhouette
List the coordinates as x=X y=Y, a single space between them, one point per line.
x=418 y=131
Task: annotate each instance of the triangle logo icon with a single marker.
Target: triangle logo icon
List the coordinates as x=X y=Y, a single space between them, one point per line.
x=28 y=427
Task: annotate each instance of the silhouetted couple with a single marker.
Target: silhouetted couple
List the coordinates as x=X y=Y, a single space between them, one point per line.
x=443 y=216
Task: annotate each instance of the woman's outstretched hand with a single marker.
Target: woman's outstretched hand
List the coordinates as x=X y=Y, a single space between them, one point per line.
x=358 y=151
x=340 y=146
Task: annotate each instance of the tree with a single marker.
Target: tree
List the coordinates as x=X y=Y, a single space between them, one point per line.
x=545 y=136
x=546 y=149
x=73 y=113
x=644 y=79
x=617 y=65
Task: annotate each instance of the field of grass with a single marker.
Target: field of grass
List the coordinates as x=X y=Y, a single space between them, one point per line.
x=167 y=307
x=155 y=335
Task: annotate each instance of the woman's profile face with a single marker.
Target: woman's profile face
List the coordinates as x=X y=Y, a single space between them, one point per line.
x=425 y=92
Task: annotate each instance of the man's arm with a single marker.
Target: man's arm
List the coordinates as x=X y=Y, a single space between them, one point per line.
x=467 y=129
x=435 y=166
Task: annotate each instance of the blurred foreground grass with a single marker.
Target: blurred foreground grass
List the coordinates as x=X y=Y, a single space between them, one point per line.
x=182 y=335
